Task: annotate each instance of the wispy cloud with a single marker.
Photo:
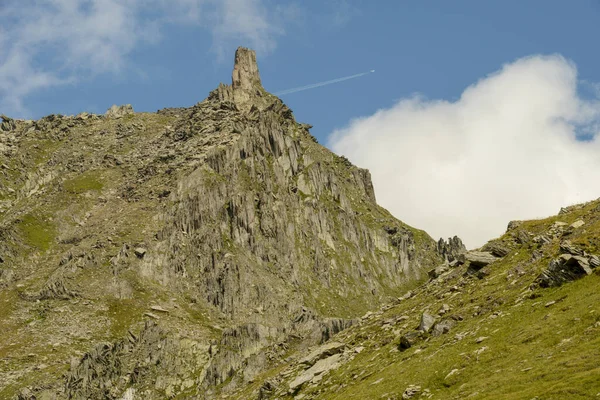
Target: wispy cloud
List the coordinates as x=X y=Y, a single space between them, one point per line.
x=343 y=11
x=507 y=149
x=45 y=43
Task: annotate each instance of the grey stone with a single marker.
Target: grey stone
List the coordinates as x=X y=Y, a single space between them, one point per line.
x=426 y=323
x=140 y=251
x=568 y=248
x=479 y=259
x=411 y=392
x=410 y=339
x=496 y=248
x=542 y=239
x=326 y=350
x=564 y=269
x=443 y=327
x=452 y=249
x=439 y=270
x=577 y=224
x=119 y=111
x=512 y=225
x=322 y=366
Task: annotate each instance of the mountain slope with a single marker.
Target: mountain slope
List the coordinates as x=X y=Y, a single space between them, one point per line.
x=519 y=319
x=181 y=253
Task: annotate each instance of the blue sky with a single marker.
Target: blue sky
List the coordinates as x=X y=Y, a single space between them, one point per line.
x=436 y=48
x=68 y=56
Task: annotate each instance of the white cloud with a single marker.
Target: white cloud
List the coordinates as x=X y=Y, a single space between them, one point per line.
x=505 y=150
x=46 y=43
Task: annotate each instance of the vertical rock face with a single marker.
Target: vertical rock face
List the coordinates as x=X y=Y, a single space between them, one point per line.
x=245 y=74
x=451 y=249
x=246 y=88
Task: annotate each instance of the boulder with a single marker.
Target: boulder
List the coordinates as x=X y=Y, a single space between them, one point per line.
x=426 y=323
x=411 y=392
x=320 y=367
x=496 y=248
x=410 y=339
x=139 y=252
x=443 y=327
x=568 y=248
x=564 y=269
x=513 y=225
x=328 y=349
x=452 y=249
x=577 y=224
x=479 y=259
x=7 y=124
x=542 y=240
x=437 y=271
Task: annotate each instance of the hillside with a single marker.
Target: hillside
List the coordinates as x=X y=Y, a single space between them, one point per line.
x=219 y=252
x=181 y=254
x=519 y=319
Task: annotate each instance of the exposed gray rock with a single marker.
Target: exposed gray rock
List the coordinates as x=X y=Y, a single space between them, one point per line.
x=410 y=339
x=568 y=248
x=443 y=327
x=564 y=269
x=479 y=259
x=452 y=249
x=7 y=124
x=437 y=271
x=445 y=308
x=496 y=248
x=326 y=350
x=119 y=111
x=521 y=236
x=594 y=261
x=426 y=323
x=566 y=210
x=332 y=326
x=321 y=367
x=140 y=251
x=411 y=392
x=512 y=225
x=577 y=224
x=542 y=239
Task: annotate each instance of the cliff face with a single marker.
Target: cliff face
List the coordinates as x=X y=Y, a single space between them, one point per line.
x=183 y=253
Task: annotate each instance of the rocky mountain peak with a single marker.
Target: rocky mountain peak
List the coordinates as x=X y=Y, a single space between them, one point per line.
x=245 y=75
x=246 y=89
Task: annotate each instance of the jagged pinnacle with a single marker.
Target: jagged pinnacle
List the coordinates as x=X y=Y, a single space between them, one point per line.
x=245 y=74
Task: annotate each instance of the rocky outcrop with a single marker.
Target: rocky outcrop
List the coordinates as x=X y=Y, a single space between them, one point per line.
x=7 y=124
x=496 y=248
x=246 y=90
x=427 y=322
x=451 y=249
x=174 y=365
x=273 y=207
x=116 y=111
x=479 y=259
x=573 y=264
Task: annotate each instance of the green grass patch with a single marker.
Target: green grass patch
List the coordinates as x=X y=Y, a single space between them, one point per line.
x=85 y=182
x=37 y=231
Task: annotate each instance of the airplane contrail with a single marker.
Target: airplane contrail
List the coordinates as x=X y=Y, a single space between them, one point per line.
x=316 y=85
